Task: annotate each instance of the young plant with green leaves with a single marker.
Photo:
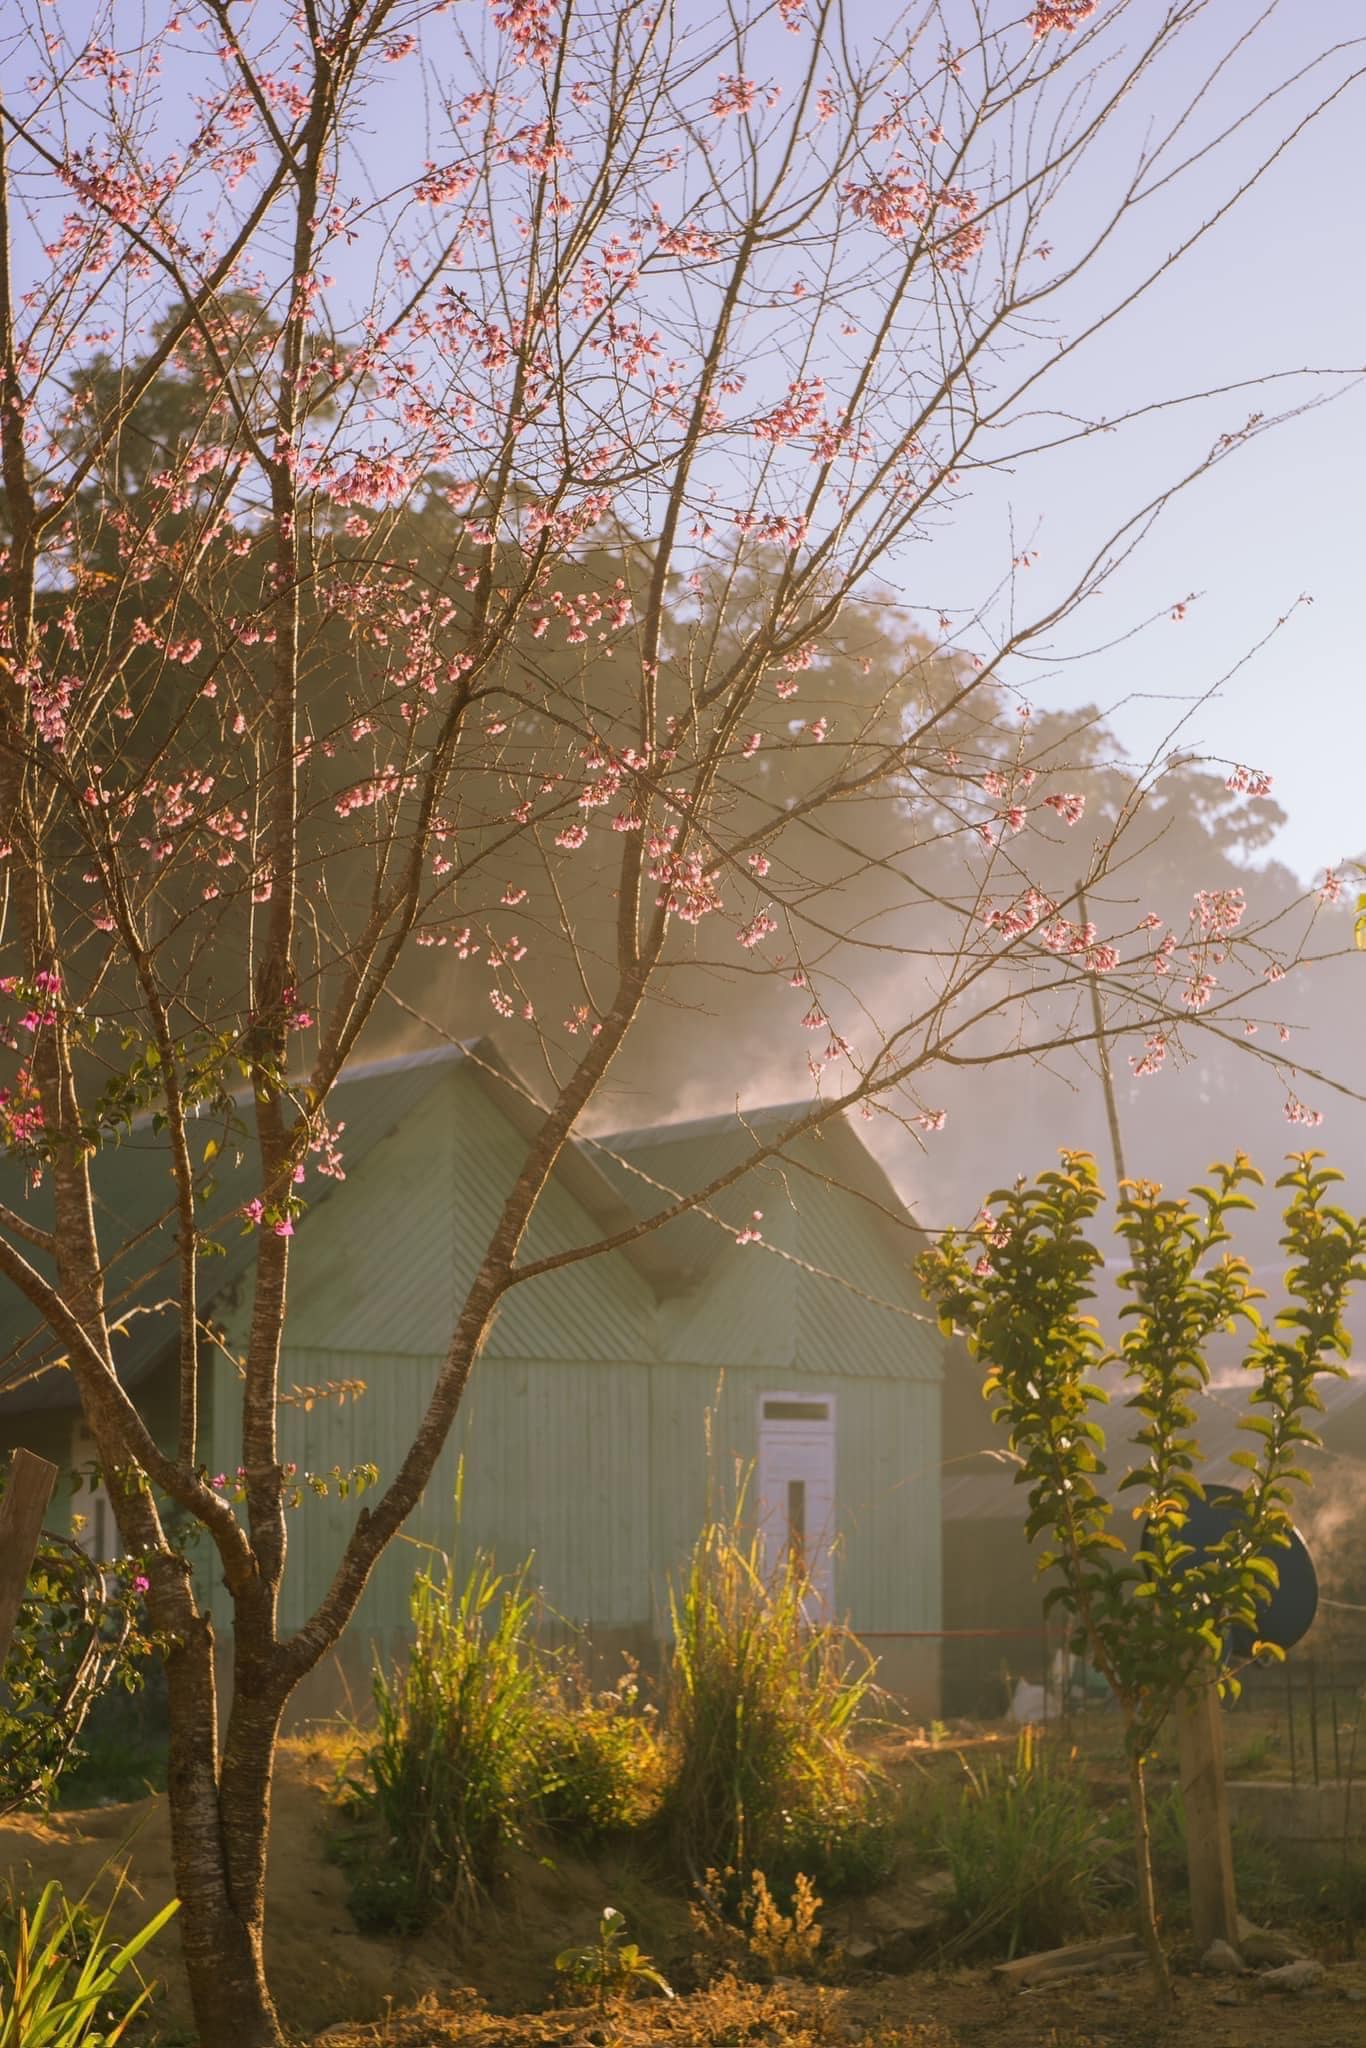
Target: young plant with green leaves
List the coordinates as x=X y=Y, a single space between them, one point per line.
x=1159 y=1620
x=610 y=1966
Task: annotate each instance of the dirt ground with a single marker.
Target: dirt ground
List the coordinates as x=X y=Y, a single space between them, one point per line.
x=924 y=2010
x=490 y=1990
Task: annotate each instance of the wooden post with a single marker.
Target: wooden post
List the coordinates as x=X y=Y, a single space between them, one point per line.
x=31 y=1481
x=1209 y=1843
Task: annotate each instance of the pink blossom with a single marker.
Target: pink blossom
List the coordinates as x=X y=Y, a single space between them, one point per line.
x=49 y=700
x=529 y=27
x=1249 y=781
x=1068 y=807
x=752 y=934
x=751 y=1234
x=1152 y=1058
x=798 y=413
x=1066 y=16
x=733 y=96
x=688 y=891
x=1218 y=911
x=1330 y=888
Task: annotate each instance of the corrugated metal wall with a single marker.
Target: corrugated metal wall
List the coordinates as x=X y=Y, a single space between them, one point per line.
x=576 y=1460
x=581 y=1443
x=887 y=1566
x=555 y=1464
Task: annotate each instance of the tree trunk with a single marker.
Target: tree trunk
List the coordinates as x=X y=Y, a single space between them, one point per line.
x=220 y=1815
x=1143 y=1856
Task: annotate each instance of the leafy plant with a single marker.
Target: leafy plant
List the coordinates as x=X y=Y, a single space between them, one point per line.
x=62 y=1977
x=599 y=1760
x=610 y=1966
x=1161 y=1623
x=446 y=1780
x=79 y=1632
x=763 y=1710
x=1027 y=1850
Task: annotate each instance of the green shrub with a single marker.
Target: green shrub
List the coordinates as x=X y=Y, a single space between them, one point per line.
x=763 y=1708
x=599 y=1758
x=445 y=1782
x=1029 y=1854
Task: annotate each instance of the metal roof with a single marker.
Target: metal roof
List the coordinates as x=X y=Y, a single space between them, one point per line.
x=617 y=1179
x=134 y=1212
x=649 y=1168
x=829 y=1286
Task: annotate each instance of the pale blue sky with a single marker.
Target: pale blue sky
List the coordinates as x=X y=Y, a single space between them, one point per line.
x=1280 y=285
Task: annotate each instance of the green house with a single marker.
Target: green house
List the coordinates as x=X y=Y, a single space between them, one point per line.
x=615 y=1397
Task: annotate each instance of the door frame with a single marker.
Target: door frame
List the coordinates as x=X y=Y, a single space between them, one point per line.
x=811 y=1431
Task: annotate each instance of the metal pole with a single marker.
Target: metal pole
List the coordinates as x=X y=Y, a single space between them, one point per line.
x=1333 y=1684
x=1290 y=1714
x=1103 y=1058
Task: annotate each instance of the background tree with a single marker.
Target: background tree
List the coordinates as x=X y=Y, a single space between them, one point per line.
x=1159 y=1620
x=467 y=569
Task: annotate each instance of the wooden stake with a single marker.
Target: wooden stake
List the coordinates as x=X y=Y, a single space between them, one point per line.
x=1209 y=1844
x=31 y=1481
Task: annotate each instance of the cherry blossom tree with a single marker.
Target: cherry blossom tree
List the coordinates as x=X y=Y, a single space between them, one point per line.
x=443 y=453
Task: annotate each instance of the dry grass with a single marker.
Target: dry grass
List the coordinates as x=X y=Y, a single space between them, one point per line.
x=962 y=2009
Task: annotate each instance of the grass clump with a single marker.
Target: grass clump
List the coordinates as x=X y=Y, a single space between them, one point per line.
x=1029 y=1855
x=763 y=1709
x=1265 y=1889
x=600 y=1762
x=63 y=1982
x=444 y=1784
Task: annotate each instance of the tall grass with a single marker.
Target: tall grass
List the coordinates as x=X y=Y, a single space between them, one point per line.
x=62 y=1980
x=1030 y=1856
x=763 y=1710
x=1265 y=1888
x=444 y=1783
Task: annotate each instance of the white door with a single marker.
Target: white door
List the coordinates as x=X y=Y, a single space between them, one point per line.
x=797 y=1488
x=98 y=1534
